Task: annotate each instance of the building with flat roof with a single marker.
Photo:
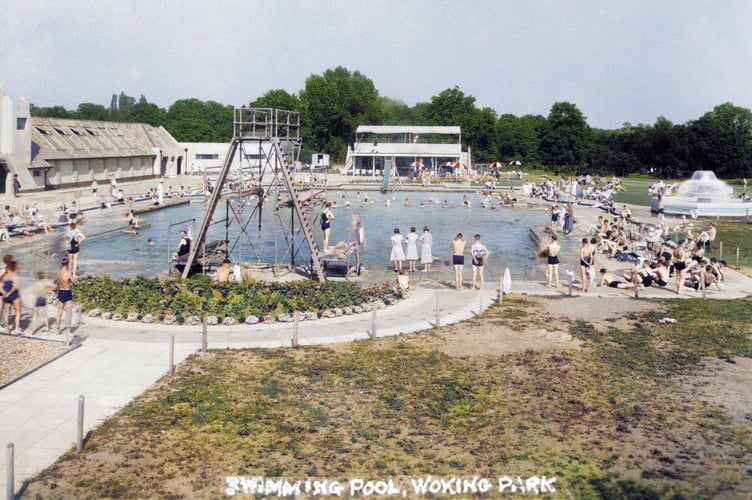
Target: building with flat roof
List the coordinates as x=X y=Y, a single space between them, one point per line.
x=377 y=147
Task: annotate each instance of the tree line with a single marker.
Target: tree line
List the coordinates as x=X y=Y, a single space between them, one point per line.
x=333 y=104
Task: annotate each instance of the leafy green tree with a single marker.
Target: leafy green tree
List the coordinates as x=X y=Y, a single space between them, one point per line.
x=567 y=140
x=396 y=112
x=50 y=112
x=449 y=107
x=668 y=153
x=519 y=138
x=613 y=151
x=193 y=120
x=453 y=107
x=91 y=111
x=721 y=140
x=145 y=112
x=278 y=99
x=333 y=105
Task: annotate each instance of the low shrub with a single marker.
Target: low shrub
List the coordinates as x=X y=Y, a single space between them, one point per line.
x=165 y=296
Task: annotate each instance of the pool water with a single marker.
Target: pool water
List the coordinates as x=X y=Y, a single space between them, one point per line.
x=504 y=231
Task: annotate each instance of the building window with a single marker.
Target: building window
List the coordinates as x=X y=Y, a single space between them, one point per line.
x=20 y=123
x=76 y=131
x=41 y=130
x=59 y=131
x=205 y=156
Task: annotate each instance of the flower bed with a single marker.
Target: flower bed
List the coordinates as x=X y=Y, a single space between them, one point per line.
x=177 y=301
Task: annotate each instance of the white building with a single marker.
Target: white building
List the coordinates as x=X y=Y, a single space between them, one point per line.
x=387 y=146
x=15 y=144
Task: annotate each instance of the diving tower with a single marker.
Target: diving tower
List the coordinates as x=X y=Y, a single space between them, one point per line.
x=267 y=142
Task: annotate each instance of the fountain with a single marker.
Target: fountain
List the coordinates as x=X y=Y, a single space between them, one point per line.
x=703 y=195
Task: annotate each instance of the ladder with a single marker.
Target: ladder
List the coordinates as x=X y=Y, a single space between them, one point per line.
x=297 y=207
x=200 y=236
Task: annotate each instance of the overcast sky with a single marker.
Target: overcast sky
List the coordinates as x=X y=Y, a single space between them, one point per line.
x=618 y=61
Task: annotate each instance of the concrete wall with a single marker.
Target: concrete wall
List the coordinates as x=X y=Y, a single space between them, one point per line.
x=15 y=142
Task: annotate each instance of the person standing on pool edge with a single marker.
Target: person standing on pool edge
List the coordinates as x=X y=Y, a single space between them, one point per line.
x=479 y=253
x=426 y=255
x=553 y=261
x=458 y=259
x=64 y=281
x=397 y=255
x=326 y=223
x=76 y=237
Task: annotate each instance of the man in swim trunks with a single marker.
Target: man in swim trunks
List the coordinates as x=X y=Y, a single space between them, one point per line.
x=679 y=259
x=609 y=281
x=553 y=261
x=458 y=259
x=661 y=272
x=64 y=281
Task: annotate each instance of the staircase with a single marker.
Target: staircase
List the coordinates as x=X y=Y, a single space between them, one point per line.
x=297 y=206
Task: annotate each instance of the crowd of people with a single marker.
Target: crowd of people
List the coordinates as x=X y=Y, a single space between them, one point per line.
x=581 y=188
x=654 y=256
x=22 y=221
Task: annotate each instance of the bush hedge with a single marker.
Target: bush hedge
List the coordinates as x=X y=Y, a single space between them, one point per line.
x=199 y=295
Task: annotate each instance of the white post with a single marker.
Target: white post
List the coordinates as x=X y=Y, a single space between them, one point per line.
x=80 y=426
x=67 y=318
x=204 y=336
x=437 y=313
x=501 y=289
x=172 y=356
x=373 y=324
x=295 y=326
x=9 y=479
x=737 y=258
x=480 y=301
x=702 y=282
x=720 y=250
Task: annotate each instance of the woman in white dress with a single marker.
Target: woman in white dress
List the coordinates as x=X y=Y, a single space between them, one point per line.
x=426 y=254
x=398 y=254
x=411 y=255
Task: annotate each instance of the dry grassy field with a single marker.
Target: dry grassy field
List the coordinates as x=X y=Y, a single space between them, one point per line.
x=594 y=392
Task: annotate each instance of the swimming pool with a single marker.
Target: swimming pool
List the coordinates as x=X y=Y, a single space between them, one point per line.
x=505 y=231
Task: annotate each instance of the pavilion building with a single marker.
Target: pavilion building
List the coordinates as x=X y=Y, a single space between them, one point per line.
x=400 y=147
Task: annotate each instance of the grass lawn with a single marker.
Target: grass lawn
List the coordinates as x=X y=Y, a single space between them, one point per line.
x=620 y=416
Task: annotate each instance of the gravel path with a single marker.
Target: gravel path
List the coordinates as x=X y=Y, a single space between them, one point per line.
x=20 y=355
